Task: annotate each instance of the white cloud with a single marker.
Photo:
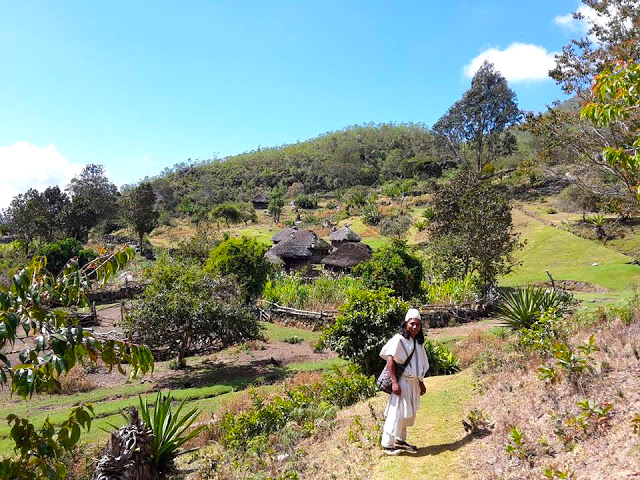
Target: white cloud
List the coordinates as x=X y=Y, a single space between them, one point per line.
x=518 y=62
x=590 y=16
x=27 y=166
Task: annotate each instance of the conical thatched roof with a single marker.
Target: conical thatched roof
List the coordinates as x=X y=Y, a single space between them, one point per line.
x=260 y=198
x=273 y=258
x=283 y=234
x=348 y=255
x=311 y=240
x=290 y=248
x=345 y=234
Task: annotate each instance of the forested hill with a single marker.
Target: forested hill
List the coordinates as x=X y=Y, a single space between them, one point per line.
x=357 y=155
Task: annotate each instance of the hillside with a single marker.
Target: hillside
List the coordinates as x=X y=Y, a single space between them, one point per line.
x=357 y=155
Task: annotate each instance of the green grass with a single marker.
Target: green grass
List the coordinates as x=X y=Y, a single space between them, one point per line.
x=437 y=433
x=279 y=333
x=109 y=402
x=568 y=257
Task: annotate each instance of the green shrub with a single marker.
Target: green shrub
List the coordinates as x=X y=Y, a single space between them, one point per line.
x=421 y=225
x=306 y=406
x=393 y=266
x=429 y=213
x=371 y=214
x=522 y=307
x=293 y=340
x=450 y=291
x=543 y=334
x=243 y=259
x=395 y=227
x=321 y=293
x=60 y=252
x=183 y=309
x=170 y=429
x=305 y=201
x=366 y=321
x=344 y=387
x=441 y=360
x=195 y=249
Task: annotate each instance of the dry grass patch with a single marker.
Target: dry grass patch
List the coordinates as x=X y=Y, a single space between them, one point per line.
x=580 y=424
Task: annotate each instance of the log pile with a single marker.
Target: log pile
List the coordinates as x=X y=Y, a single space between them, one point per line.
x=129 y=454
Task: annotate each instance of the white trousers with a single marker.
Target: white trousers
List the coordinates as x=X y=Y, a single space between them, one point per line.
x=401 y=411
x=395 y=428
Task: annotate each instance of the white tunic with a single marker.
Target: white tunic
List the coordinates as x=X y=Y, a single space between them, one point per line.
x=406 y=405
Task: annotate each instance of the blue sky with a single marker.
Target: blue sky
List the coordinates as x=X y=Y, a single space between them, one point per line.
x=138 y=86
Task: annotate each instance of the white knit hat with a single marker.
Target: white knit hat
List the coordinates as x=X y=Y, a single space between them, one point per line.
x=412 y=313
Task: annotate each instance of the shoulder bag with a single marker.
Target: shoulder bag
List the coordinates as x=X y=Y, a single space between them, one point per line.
x=384 y=379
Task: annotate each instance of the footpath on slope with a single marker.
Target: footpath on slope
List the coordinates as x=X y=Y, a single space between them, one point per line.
x=443 y=445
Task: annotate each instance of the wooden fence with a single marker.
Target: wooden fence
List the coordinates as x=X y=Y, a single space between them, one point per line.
x=436 y=315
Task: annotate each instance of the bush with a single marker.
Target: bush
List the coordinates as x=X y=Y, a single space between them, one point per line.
x=243 y=259
x=396 y=226
x=522 y=307
x=421 y=225
x=365 y=322
x=306 y=406
x=441 y=360
x=322 y=293
x=195 y=249
x=170 y=429
x=344 y=387
x=543 y=334
x=60 y=252
x=304 y=201
x=371 y=214
x=393 y=266
x=450 y=291
x=183 y=309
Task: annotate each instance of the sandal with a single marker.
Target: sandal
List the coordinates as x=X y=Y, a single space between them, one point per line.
x=392 y=451
x=405 y=446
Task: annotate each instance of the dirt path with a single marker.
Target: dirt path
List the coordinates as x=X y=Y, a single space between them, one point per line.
x=442 y=442
x=462 y=330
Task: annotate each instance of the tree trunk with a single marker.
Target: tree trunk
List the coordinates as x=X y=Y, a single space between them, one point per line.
x=184 y=344
x=129 y=455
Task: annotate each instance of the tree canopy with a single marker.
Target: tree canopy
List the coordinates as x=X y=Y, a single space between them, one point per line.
x=474 y=131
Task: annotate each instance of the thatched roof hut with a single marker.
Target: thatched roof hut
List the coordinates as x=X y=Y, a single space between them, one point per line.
x=347 y=256
x=260 y=201
x=343 y=235
x=273 y=258
x=290 y=248
x=292 y=254
x=311 y=240
x=283 y=234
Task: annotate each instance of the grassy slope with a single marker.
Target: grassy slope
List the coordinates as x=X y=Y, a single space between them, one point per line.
x=108 y=402
x=568 y=257
x=437 y=432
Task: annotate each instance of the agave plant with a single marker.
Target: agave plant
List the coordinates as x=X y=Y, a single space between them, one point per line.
x=521 y=308
x=170 y=430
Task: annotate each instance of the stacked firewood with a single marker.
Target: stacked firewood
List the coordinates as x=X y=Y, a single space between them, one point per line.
x=129 y=453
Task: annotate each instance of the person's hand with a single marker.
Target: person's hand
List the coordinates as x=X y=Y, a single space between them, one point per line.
x=395 y=388
x=423 y=389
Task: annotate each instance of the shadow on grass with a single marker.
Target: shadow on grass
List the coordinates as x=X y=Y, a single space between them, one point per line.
x=209 y=373
x=445 y=447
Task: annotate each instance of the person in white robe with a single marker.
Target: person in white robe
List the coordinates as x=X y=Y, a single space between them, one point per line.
x=403 y=403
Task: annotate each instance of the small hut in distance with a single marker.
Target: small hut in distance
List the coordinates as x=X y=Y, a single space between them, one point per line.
x=292 y=254
x=316 y=245
x=342 y=236
x=260 y=201
x=347 y=256
x=283 y=234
